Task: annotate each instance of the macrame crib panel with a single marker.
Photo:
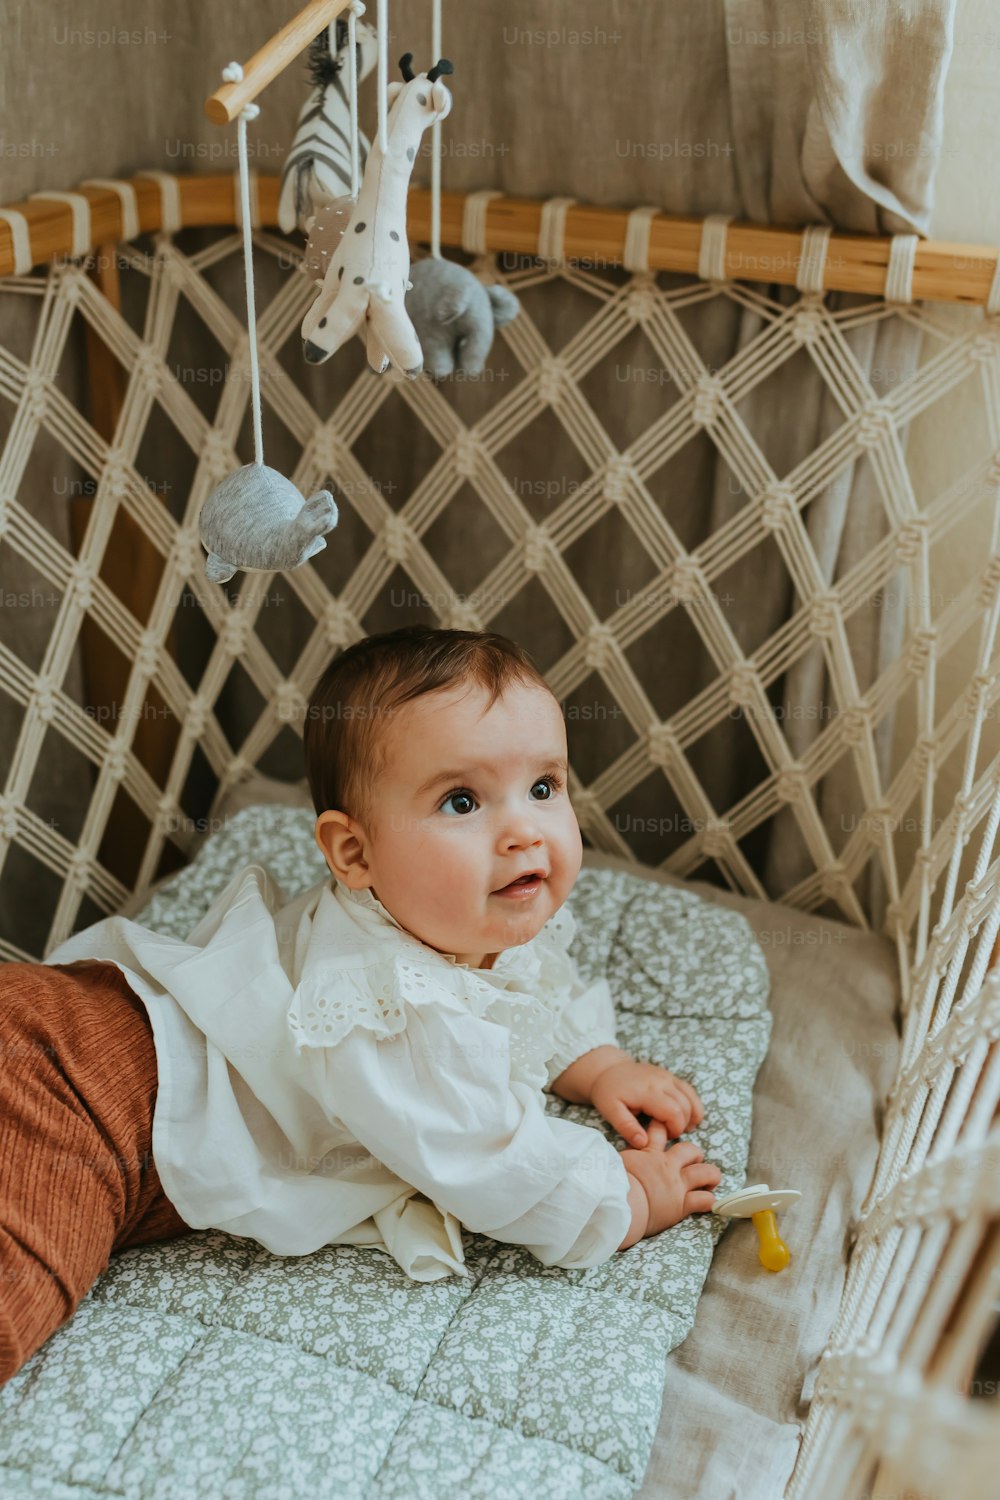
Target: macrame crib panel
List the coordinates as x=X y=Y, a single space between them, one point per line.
x=888 y=1388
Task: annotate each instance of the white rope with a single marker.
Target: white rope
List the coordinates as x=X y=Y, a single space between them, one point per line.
x=170 y=199
x=812 y=264
x=126 y=197
x=552 y=229
x=383 y=75
x=712 y=250
x=899 y=273
x=80 y=206
x=356 y=9
x=436 y=50
x=635 y=256
x=21 y=239
x=232 y=74
x=474 y=220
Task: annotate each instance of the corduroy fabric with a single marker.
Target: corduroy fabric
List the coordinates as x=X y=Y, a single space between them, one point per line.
x=77 y=1180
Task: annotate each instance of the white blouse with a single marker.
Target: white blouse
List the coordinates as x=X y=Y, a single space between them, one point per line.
x=324 y=1077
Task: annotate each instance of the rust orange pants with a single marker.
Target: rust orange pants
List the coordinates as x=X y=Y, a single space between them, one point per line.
x=77 y=1178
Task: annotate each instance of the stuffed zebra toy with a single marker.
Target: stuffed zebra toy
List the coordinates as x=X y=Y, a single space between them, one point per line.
x=318 y=167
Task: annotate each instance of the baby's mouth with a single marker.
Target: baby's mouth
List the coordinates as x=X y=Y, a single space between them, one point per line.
x=524 y=885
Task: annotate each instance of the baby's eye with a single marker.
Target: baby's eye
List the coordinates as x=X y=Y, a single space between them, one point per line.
x=459 y=795
x=551 y=784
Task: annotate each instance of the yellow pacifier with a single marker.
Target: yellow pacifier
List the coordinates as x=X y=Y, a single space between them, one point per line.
x=759 y=1204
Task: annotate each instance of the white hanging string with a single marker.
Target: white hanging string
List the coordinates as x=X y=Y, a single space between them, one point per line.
x=436 y=49
x=232 y=74
x=383 y=73
x=356 y=9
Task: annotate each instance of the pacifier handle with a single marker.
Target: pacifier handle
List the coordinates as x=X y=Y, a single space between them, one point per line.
x=774 y=1253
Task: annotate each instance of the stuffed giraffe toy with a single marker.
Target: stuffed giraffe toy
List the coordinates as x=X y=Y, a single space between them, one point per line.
x=368 y=275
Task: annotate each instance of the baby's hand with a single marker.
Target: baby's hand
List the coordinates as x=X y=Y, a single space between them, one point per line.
x=677 y=1181
x=627 y=1088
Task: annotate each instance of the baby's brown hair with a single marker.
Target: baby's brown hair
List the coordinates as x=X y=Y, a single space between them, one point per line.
x=344 y=734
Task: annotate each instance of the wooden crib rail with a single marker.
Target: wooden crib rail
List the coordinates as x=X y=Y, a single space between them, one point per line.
x=39 y=229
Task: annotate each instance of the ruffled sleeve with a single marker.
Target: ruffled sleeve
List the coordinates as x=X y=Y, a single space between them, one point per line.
x=430 y=1095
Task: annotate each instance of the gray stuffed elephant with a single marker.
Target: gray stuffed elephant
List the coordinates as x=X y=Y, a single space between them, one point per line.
x=455 y=314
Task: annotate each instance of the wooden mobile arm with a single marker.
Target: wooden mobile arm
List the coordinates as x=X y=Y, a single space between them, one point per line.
x=224 y=105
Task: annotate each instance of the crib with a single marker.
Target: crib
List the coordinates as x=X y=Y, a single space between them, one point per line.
x=159 y=693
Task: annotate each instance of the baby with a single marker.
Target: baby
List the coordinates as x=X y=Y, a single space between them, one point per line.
x=365 y=1063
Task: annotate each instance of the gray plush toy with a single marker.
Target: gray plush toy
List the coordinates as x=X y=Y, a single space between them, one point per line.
x=455 y=314
x=257 y=519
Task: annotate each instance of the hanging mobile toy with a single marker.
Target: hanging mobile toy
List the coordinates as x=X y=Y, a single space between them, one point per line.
x=368 y=274
x=256 y=519
x=759 y=1204
x=317 y=168
x=455 y=314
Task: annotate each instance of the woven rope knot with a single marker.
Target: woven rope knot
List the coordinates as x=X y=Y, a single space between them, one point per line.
x=874 y=424
x=462 y=616
x=778 y=507
x=877 y=821
x=196 y=716
x=45 y=699
x=920 y=650
x=147 y=655
x=924 y=757
x=79 y=868
x=238 y=769
x=911 y=538
x=83 y=586
x=807 y=319
x=397 y=538
x=72 y=278
x=986 y=345
x=715 y=841
x=233 y=634
x=538 y=549
x=337 y=623
x=586 y=806
x=853 y=722
x=167 y=811
x=147 y=367
x=833 y=879
x=466 y=455
x=116 y=469
x=977 y=695
x=36 y=389
x=116 y=760
x=8 y=817
x=550 y=380
x=286 y=701
x=742 y=686
x=217 y=454
x=661 y=746
x=599 y=646
x=640 y=296
x=685 y=580
x=326 y=451
x=707 y=400
x=823 y=615
x=186 y=552
x=790 y=783
x=616 y=480
x=991 y=582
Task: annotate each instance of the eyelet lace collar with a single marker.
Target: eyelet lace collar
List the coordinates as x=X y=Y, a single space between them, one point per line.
x=525 y=991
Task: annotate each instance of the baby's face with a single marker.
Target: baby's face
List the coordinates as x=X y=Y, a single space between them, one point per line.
x=470 y=800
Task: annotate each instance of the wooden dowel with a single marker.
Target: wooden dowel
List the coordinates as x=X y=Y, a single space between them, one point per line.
x=224 y=105
x=942 y=272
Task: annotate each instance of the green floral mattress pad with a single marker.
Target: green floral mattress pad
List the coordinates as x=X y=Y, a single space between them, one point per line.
x=206 y=1367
